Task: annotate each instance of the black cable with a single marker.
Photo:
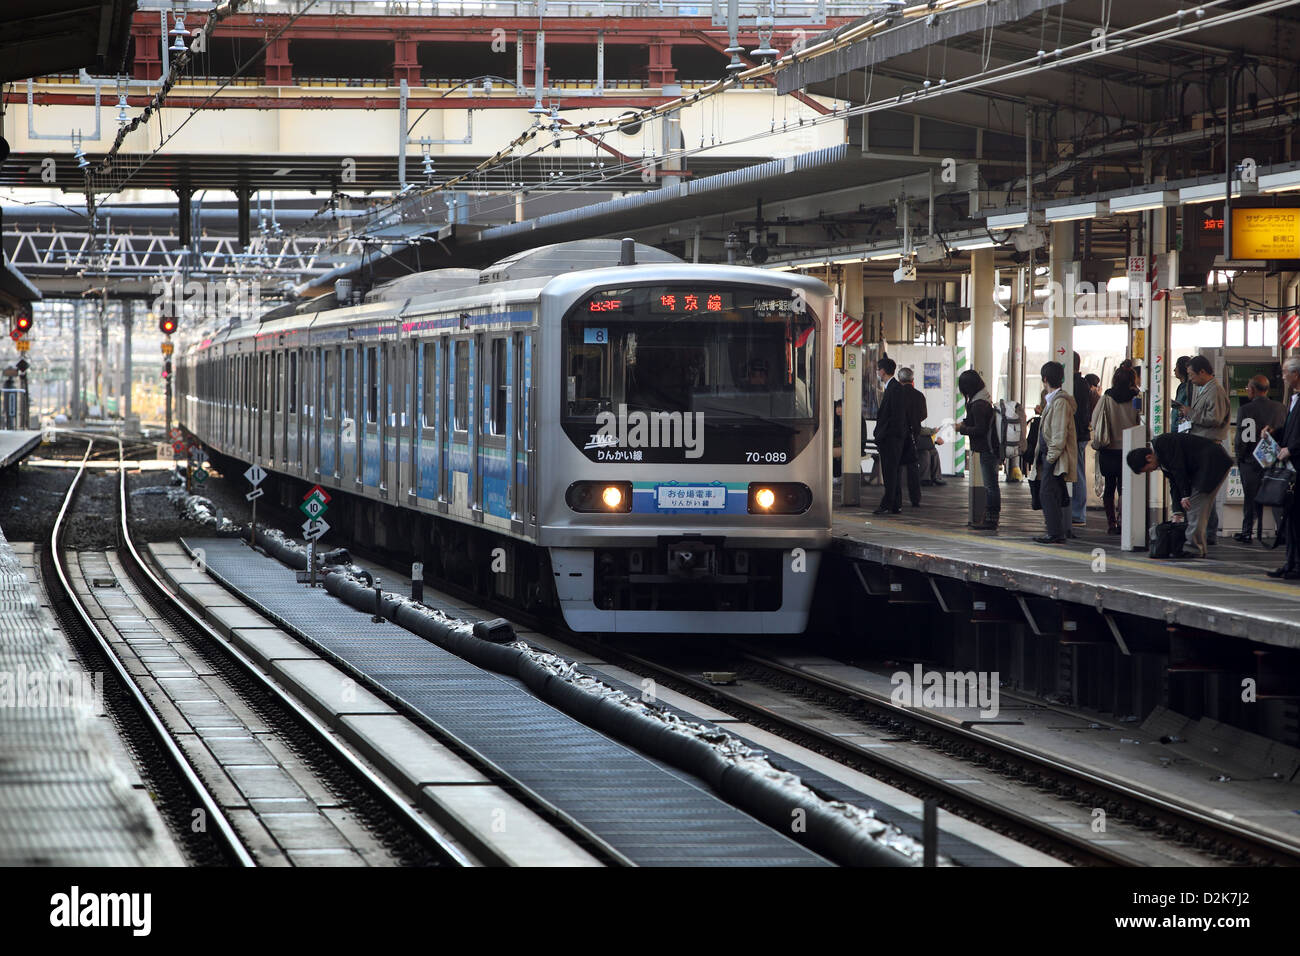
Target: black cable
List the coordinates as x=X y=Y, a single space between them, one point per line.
x=1256 y=305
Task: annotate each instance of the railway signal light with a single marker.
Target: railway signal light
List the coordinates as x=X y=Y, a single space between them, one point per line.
x=23 y=323
x=167 y=368
x=167 y=324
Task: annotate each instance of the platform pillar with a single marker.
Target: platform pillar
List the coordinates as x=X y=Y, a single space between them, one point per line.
x=981 y=346
x=1016 y=347
x=851 y=410
x=1060 y=300
x=1155 y=362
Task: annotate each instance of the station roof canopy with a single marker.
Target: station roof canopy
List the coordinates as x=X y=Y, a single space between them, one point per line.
x=15 y=288
x=949 y=104
x=52 y=36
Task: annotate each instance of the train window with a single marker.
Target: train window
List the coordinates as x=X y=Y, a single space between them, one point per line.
x=279 y=379
x=587 y=385
x=500 y=386
x=430 y=377
x=737 y=364
x=293 y=383
x=461 y=412
x=372 y=386
x=327 y=391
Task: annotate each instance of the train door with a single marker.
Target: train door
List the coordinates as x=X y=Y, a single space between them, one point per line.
x=274 y=407
x=442 y=417
x=255 y=424
x=336 y=404
x=394 y=417
x=415 y=406
x=311 y=415
x=326 y=444
x=347 y=466
x=370 y=384
x=528 y=421
x=292 y=404
x=495 y=449
x=288 y=385
x=477 y=427
x=518 y=429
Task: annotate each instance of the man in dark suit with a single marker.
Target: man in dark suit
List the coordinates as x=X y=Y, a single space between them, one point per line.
x=891 y=431
x=917 y=412
x=1259 y=413
x=1289 y=441
x=1195 y=467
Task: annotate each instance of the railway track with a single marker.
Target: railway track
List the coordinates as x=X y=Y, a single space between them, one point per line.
x=1199 y=831
x=1188 y=827
x=368 y=819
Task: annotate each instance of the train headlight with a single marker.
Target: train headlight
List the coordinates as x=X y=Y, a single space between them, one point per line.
x=597 y=497
x=779 y=498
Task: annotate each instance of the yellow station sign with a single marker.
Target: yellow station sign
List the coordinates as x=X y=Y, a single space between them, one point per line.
x=1266 y=232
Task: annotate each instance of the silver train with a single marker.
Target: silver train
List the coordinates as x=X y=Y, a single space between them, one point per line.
x=594 y=426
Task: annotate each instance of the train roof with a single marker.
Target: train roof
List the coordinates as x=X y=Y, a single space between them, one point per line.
x=562 y=257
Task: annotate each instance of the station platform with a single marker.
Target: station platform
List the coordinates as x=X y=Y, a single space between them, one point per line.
x=1227 y=593
x=17 y=445
x=68 y=796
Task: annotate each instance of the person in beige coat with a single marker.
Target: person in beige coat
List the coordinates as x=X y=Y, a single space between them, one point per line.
x=1113 y=415
x=1210 y=415
x=1056 y=459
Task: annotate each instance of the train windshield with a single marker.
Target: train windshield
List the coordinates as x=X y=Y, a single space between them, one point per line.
x=691 y=373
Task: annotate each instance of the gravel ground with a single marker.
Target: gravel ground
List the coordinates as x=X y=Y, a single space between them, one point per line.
x=30 y=499
x=30 y=495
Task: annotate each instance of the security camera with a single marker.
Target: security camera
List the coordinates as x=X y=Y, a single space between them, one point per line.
x=906 y=271
x=931 y=251
x=1028 y=238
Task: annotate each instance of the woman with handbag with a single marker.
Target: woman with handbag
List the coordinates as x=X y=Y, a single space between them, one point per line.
x=1289 y=448
x=1113 y=414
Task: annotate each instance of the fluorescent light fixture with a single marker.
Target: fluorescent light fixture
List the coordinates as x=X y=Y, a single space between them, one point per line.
x=890 y=254
x=1010 y=220
x=975 y=242
x=1141 y=202
x=1206 y=192
x=848 y=259
x=1280 y=182
x=1077 y=210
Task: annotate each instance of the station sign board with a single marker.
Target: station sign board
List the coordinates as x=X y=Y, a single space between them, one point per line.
x=1271 y=233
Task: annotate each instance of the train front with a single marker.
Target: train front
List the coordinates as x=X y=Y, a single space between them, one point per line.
x=684 y=416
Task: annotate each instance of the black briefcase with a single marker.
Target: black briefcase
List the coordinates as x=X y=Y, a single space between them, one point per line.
x=1167 y=540
x=1275 y=486
x=1035 y=501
